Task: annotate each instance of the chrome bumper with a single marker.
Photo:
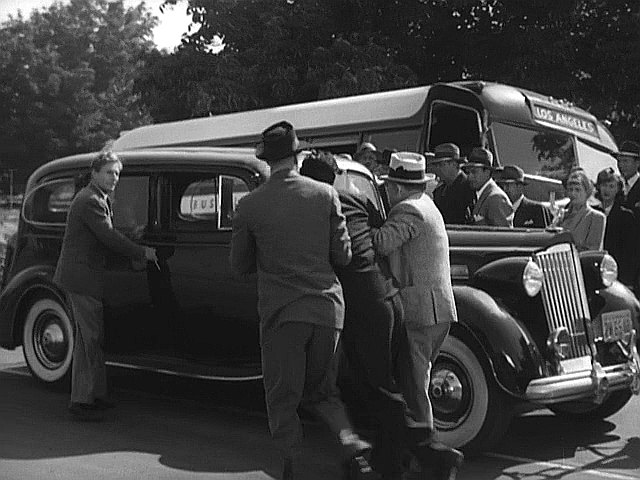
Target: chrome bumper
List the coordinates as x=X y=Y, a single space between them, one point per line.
x=592 y=385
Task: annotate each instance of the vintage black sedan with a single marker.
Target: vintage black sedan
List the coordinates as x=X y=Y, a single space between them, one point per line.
x=540 y=323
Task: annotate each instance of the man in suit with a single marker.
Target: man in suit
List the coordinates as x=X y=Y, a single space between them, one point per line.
x=291 y=230
x=528 y=213
x=415 y=244
x=492 y=206
x=628 y=164
x=454 y=197
x=373 y=326
x=88 y=239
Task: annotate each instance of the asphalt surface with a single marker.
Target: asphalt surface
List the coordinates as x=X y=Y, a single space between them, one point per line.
x=170 y=428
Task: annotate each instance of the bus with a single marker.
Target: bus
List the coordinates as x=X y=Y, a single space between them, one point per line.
x=546 y=137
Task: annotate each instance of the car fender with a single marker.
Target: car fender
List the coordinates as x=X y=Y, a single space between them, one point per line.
x=38 y=278
x=512 y=354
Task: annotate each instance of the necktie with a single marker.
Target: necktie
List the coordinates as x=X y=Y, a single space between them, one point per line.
x=109 y=209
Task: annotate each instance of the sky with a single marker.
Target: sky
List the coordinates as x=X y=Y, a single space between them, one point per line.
x=172 y=23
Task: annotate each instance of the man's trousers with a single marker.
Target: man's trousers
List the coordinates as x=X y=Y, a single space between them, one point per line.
x=88 y=374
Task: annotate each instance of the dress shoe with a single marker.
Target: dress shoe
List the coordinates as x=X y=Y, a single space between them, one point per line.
x=358 y=468
x=441 y=461
x=86 y=412
x=103 y=404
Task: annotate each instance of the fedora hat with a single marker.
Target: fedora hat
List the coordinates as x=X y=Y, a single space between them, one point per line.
x=446 y=151
x=407 y=167
x=479 y=157
x=629 y=148
x=510 y=174
x=278 y=141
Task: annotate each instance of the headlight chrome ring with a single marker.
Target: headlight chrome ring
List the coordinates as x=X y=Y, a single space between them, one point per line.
x=532 y=278
x=608 y=270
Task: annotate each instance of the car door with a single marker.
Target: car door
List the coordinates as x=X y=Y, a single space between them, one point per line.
x=130 y=315
x=214 y=314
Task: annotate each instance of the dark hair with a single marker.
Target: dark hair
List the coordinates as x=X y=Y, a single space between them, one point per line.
x=609 y=175
x=321 y=166
x=103 y=158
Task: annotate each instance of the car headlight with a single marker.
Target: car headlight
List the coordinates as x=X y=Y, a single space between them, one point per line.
x=532 y=278
x=608 y=270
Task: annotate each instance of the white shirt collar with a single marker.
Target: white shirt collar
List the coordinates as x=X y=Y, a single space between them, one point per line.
x=483 y=188
x=517 y=203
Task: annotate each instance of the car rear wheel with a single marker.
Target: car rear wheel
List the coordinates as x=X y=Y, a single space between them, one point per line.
x=613 y=403
x=470 y=411
x=47 y=341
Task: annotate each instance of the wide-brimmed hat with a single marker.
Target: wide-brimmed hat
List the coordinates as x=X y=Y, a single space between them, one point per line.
x=407 y=167
x=444 y=152
x=278 y=141
x=479 y=157
x=629 y=148
x=509 y=174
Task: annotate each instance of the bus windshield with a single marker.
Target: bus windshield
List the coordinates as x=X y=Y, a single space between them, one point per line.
x=544 y=153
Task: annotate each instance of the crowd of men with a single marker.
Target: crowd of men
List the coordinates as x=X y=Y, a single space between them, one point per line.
x=331 y=273
x=329 y=269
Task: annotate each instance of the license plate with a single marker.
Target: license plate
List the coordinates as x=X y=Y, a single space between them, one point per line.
x=615 y=325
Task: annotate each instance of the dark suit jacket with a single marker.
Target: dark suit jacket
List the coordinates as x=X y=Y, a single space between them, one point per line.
x=362 y=278
x=88 y=239
x=632 y=200
x=291 y=230
x=493 y=207
x=455 y=201
x=621 y=241
x=530 y=214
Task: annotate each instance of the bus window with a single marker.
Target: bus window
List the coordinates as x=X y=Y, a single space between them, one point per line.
x=544 y=153
x=593 y=161
x=400 y=140
x=454 y=123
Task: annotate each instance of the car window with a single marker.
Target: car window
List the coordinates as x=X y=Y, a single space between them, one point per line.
x=205 y=202
x=48 y=204
x=130 y=202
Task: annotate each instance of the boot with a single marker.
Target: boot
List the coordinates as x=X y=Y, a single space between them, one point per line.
x=441 y=461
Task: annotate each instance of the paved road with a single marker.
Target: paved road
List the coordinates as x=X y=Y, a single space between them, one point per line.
x=174 y=429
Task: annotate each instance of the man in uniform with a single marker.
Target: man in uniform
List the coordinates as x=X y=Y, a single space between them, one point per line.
x=527 y=212
x=492 y=206
x=88 y=239
x=454 y=197
x=291 y=230
x=415 y=243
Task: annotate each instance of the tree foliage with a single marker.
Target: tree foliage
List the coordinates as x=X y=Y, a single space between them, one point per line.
x=284 y=51
x=66 y=79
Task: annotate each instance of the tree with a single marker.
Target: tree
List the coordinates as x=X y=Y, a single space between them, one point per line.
x=283 y=51
x=275 y=52
x=66 y=79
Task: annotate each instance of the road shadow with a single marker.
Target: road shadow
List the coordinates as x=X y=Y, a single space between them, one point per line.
x=192 y=435
x=543 y=446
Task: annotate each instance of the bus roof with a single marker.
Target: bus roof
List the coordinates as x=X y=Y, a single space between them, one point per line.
x=325 y=117
x=397 y=109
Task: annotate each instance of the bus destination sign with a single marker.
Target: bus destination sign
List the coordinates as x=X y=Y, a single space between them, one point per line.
x=577 y=123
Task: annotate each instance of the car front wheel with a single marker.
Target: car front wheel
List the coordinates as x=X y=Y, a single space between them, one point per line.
x=47 y=341
x=470 y=411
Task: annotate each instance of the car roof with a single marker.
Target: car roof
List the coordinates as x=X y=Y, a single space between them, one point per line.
x=187 y=156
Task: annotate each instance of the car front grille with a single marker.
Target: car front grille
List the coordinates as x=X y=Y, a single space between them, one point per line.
x=563 y=294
